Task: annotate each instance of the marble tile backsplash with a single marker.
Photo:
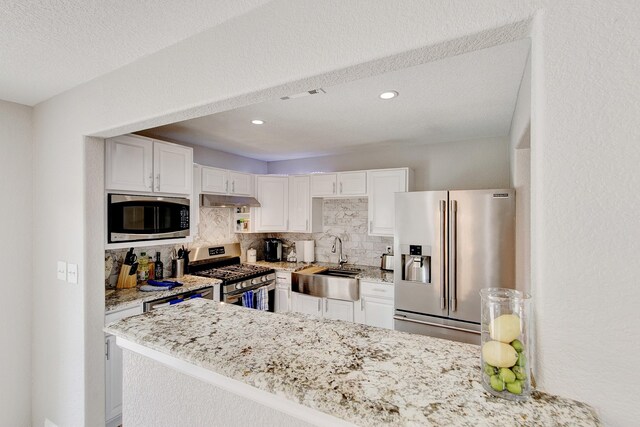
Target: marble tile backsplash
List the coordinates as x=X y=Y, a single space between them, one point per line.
x=345 y=218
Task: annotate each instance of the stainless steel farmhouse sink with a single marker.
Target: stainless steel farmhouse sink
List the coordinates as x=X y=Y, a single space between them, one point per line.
x=336 y=283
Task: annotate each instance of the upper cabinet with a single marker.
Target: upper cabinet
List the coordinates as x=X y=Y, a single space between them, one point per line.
x=223 y=181
x=273 y=194
x=299 y=204
x=139 y=164
x=339 y=184
x=383 y=184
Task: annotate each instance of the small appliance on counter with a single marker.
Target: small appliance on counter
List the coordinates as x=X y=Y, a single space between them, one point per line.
x=273 y=250
x=386 y=262
x=252 y=255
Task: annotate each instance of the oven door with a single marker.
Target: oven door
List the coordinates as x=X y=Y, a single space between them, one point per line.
x=236 y=298
x=135 y=218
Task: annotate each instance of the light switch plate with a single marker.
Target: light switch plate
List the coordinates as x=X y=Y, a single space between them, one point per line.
x=72 y=273
x=62 y=270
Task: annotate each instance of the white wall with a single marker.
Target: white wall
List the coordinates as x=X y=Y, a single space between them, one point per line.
x=584 y=161
x=468 y=165
x=16 y=216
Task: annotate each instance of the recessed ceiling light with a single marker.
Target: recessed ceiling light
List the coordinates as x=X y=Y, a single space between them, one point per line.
x=257 y=122
x=389 y=94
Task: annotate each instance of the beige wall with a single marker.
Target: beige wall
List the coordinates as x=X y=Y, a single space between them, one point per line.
x=465 y=165
x=16 y=180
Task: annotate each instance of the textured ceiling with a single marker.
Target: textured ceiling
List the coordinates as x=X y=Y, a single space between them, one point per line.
x=463 y=97
x=48 y=47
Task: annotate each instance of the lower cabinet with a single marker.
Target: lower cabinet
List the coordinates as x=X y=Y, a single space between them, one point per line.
x=283 y=292
x=322 y=307
x=376 y=305
x=113 y=369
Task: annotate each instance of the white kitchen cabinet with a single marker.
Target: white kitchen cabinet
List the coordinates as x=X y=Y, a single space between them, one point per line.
x=283 y=292
x=336 y=309
x=215 y=180
x=376 y=304
x=222 y=181
x=273 y=194
x=135 y=163
x=382 y=185
x=299 y=204
x=113 y=368
x=129 y=164
x=306 y=304
x=172 y=167
x=352 y=183
x=323 y=185
x=241 y=184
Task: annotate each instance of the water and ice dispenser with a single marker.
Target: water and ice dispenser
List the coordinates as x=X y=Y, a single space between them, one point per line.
x=416 y=266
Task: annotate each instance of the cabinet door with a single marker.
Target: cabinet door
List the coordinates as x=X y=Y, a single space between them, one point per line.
x=336 y=309
x=306 y=304
x=282 y=300
x=352 y=183
x=241 y=184
x=299 y=204
x=173 y=168
x=273 y=195
x=376 y=312
x=129 y=163
x=383 y=185
x=324 y=185
x=215 y=180
x=113 y=368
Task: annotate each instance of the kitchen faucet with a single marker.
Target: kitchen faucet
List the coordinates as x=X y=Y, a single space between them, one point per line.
x=342 y=259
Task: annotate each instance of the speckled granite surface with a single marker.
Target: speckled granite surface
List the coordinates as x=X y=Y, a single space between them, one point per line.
x=365 y=375
x=374 y=274
x=121 y=298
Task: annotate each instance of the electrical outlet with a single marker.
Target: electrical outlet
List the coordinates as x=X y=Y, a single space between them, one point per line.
x=389 y=249
x=62 y=270
x=72 y=273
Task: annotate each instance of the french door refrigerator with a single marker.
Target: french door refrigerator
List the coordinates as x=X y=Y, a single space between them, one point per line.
x=448 y=246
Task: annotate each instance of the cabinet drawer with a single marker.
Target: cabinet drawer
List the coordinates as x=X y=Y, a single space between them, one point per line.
x=283 y=277
x=376 y=289
x=121 y=314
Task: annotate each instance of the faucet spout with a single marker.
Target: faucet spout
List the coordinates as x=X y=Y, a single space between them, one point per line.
x=342 y=259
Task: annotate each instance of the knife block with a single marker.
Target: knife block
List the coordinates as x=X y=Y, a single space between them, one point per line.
x=126 y=280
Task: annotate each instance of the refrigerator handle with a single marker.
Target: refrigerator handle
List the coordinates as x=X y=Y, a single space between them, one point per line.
x=443 y=252
x=454 y=254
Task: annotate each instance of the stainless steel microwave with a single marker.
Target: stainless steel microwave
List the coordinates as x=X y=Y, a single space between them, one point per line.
x=135 y=218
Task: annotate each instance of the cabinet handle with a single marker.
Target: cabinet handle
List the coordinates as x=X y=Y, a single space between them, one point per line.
x=326 y=305
x=334 y=188
x=287 y=224
x=319 y=306
x=226 y=186
x=158 y=182
x=233 y=186
x=361 y=303
x=306 y=225
x=151 y=181
x=107 y=352
x=340 y=188
x=370 y=226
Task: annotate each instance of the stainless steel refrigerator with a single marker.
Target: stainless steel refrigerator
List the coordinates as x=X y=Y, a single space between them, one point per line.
x=448 y=246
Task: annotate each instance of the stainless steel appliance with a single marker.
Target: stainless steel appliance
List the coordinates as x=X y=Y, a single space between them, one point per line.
x=135 y=218
x=206 y=293
x=273 y=250
x=448 y=246
x=387 y=262
x=223 y=262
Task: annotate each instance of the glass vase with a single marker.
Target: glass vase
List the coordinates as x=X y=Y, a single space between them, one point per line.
x=506 y=343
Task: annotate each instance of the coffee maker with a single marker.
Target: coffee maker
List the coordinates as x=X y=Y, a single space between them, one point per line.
x=273 y=250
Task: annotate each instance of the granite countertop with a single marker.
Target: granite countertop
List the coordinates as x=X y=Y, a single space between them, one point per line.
x=365 y=375
x=375 y=274
x=121 y=298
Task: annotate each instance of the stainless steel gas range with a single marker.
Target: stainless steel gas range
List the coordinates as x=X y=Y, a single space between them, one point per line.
x=223 y=262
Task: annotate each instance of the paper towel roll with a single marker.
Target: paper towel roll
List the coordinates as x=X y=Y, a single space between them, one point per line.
x=299 y=250
x=309 y=251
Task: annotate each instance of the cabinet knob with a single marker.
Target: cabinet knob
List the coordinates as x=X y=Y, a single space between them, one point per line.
x=158 y=182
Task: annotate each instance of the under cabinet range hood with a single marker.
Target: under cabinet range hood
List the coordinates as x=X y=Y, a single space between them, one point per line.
x=221 y=201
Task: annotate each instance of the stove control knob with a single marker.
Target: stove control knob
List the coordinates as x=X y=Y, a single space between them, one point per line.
x=263 y=278
x=239 y=286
